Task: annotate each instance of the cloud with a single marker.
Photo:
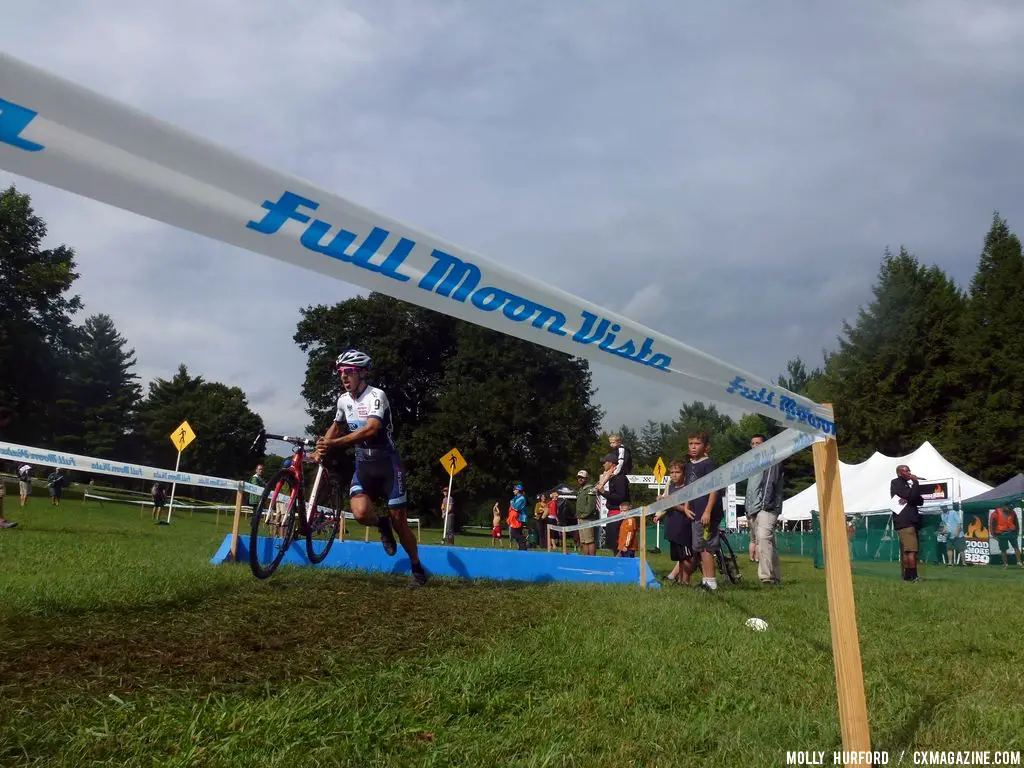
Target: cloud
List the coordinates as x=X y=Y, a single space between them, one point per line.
x=726 y=173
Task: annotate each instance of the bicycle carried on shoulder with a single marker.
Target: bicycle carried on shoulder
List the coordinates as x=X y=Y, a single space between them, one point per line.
x=283 y=513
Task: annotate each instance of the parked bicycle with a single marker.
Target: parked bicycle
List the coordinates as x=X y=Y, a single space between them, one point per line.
x=726 y=558
x=283 y=513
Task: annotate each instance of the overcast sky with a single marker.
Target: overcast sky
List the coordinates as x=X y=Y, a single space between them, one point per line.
x=728 y=173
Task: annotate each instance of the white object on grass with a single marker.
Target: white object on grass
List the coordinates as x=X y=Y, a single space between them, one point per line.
x=758 y=625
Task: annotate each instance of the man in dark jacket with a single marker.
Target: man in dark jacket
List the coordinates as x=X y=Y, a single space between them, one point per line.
x=905 y=492
x=615 y=489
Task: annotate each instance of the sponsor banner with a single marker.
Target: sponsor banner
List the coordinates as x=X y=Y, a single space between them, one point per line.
x=69 y=137
x=780 y=447
x=90 y=465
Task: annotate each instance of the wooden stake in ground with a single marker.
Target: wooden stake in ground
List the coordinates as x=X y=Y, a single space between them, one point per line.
x=853 y=711
x=234 y=526
x=643 y=548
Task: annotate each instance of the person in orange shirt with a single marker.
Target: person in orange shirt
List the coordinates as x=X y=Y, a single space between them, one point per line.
x=627 y=532
x=1005 y=527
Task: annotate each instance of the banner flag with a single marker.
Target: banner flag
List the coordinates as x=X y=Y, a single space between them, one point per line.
x=72 y=138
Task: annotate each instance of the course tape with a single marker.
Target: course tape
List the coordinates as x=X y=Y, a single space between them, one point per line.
x=780 y=447
x=144 y=503
x=64 y=135
x=47 y=458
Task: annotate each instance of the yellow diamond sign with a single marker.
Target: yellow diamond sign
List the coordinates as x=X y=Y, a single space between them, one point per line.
x=453 y=462
x=659 y=471
x=182 y=436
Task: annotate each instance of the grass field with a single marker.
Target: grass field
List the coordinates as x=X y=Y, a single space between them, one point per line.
x=120 y=644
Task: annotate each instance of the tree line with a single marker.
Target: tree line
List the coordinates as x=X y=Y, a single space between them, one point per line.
x=923 y=360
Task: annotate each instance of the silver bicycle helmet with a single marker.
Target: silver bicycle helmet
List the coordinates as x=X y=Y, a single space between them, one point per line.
x=353 y=358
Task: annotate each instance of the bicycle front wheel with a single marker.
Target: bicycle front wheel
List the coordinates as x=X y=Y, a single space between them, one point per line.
x=323 y=520
x=273 y=524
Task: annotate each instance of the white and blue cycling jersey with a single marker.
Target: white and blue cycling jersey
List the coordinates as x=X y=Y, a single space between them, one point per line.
x=356 y=412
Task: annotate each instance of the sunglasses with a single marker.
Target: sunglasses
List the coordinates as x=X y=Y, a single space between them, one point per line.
x=348 y=371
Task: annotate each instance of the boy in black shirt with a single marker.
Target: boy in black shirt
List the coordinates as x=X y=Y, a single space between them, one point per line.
x=706 y=511
x=678 y=529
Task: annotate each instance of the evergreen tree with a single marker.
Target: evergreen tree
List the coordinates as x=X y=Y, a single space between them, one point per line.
x=102 y=392
x=986 y=421
x=891 y=379
x=35 y=319
x=797 y=379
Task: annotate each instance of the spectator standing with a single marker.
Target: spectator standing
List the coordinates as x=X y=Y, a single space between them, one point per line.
x=539 y=523
x=159 y=500
x=752 y=501
x=24 y=483
x=627 y=532
x=256 y=479
x=707 y=511
x=678 y=528
x=1005 y=526
x=586 y=510
x=956 y=543
x=905 y=491
x=770 y=507
x=55 y=482
x=517 y=516
x=495 y=524
x=615 y=490
x=555 y=506
x=448 y=516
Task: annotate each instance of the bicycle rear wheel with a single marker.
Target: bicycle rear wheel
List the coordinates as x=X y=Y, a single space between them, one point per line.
x=323 y=520
x=273 y=524
x=729 y=562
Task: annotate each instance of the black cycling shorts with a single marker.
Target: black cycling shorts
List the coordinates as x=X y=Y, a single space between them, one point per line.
x=380 y=480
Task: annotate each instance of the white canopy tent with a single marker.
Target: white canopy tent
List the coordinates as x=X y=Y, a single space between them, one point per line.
x=866 y=485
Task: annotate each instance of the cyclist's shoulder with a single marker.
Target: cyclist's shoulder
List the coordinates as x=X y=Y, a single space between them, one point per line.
x=375 y=392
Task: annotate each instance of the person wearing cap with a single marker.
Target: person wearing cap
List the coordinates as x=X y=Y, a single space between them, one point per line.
x=517 y=516
x=615 y=489
x=586 y=509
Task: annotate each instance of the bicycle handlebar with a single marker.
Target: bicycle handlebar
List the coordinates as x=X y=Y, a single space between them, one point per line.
x=298 y=441
x=305 y=442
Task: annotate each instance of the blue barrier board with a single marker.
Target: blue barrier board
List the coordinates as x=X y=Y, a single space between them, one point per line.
x=461 y=562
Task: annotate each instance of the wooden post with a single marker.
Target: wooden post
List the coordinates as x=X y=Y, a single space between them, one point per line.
x=419 y=532
x=643 y=548
x=853 y=712
x=367 y=537
x=564 y=542
x=341 y=525
x=234 y=526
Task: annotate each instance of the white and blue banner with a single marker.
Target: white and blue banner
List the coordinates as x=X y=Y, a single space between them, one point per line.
x=46 y=458
x=64 y=135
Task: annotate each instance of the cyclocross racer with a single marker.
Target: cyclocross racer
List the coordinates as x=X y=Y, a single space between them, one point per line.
x=365 y=412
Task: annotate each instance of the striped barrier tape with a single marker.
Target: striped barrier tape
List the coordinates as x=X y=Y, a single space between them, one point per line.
x=62 y=134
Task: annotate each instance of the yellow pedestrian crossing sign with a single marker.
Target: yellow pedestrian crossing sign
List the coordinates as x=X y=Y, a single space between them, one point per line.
x=453 y=462
x=659 y=471
x=182 y=436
